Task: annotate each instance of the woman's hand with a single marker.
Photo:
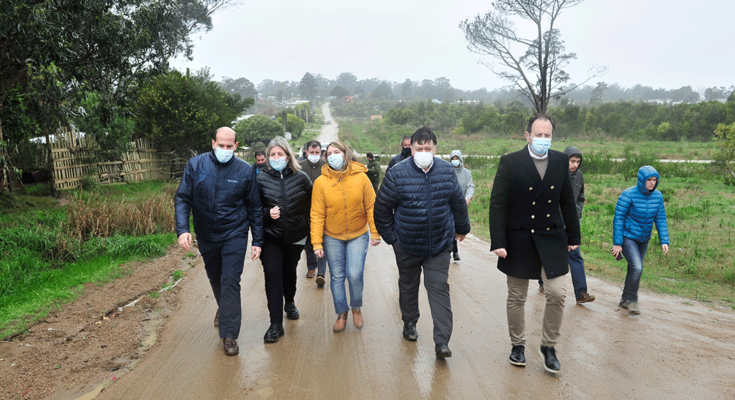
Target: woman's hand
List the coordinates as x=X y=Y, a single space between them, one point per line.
x=616 y=250
x=665 y=248
x=275 y=212
x=374 y=242
x=319 y=253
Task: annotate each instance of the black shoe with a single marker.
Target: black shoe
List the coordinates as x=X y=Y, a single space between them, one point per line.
x=274 y=332
x=320 y=281
x=551 y=363
x=442 y=351
x=517 y=357
x=231 y=347
x=216 y=318
x=409 y=331
x=291 y=311
x=456 y=256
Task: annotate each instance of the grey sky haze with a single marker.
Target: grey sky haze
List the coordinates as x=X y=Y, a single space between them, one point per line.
x=658 y=43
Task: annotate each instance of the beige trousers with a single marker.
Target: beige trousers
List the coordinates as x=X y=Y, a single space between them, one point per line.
x=555 y=292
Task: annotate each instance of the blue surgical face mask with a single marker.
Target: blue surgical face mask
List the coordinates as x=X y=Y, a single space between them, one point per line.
x=336 y=161
x=541 y=146
x=278 y=163
x=455 y=163
x=223 y=155
x=313 y=158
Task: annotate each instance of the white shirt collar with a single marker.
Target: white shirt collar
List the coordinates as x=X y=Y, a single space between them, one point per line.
x=537 y=157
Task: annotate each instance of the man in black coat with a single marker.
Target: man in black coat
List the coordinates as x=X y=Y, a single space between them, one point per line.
x=404 y=154
x=531 y=203
x=222 y=193
x=420 y=210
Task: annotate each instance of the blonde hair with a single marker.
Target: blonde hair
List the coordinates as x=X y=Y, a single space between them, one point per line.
x=280 y=141
x=349 y=154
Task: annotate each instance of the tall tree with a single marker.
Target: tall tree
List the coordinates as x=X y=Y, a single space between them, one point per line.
x=240 y=85
x=347 y=80
x=522 y=59
x=308 y=87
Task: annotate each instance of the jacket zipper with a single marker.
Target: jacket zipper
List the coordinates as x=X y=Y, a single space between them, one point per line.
x=283 y=208
x=216 y=200
x=431 y=216
x=344 y=197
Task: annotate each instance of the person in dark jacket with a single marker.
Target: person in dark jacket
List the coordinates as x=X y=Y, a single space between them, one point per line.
x=315 y=266
x=533 y=226
x=222 y=193
x=419 y=211
x=285 y=192
x=374 y=170
x=260 y=161
x=404 y=154
x=576 y=262
x=638 y=208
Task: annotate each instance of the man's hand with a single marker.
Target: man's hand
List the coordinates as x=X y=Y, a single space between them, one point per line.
x=570 y=248
x=459 y=237
x=665 y=248
x=185 y=240
x=275 y=212
x=500 y=253
x=468 y=201
x=374 y=242
x=254 y=252
x=616 y=250
x=319 y=253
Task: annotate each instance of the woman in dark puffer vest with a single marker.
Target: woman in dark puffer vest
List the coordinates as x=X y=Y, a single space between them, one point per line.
x=285 y=192
x=637 y=209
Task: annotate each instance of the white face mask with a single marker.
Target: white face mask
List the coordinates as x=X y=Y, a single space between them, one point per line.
x=336 y=161
x=223 y=155
x=455 y=163
x=423 y=159
x=313 y=158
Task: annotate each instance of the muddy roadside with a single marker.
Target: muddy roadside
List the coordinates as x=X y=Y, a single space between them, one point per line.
x=86 y=344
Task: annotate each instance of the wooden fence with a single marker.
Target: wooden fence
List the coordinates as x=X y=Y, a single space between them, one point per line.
x=76 y=156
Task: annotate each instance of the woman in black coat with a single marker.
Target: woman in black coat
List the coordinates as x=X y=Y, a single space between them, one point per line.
x=285 y=192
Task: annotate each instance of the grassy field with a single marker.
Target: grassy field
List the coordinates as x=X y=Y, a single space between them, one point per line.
x=701 y=217
x=48 y=252
x=380 y=137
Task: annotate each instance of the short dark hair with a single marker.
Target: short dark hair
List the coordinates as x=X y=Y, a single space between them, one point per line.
x=369 y=155
x=543 y=117
x=260 y=153
x=407 y=137
x=312 y=143
x=423 y=135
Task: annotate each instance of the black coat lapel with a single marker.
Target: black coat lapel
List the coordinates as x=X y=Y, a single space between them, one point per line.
x=530 y=166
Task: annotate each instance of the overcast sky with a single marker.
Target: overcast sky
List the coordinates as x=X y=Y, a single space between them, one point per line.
x=658 y=43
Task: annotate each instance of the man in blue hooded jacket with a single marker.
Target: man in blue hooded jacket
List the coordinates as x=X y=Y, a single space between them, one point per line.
x=221 y=191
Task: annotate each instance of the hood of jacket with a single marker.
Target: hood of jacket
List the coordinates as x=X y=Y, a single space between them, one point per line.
x=574 y=151
x=644 y=173
x=353 y=168
x=458 y=154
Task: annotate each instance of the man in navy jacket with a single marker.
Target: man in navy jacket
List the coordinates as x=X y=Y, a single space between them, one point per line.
x=222 y=193
x=420 y=210
x=533 y=227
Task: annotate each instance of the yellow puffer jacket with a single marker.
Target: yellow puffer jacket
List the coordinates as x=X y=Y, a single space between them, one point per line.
x=342 y=205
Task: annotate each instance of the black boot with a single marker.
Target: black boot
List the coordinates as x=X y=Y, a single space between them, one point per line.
x=274 y=332
x=291 y=311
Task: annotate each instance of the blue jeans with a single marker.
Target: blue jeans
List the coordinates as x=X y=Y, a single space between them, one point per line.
x=634 y=253
x=312 y=261
x=346 y=260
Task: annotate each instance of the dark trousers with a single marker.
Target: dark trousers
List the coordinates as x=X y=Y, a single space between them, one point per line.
x=436 y=273
x=279 y=266
x=223 y=262
x=312 y=261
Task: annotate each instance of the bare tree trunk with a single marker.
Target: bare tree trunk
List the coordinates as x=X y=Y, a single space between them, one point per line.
x=731 y=171
x=50 y=160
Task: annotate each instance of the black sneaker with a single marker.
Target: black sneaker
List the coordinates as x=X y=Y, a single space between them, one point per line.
x=517 y=357
x=409 y=331
x=442 y=351
x=551 y=363
x=456 y=256
x=274 y=332
x=291 y=311
x=231 y=347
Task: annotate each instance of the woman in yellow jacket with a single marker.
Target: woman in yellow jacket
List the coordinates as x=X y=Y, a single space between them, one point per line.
x=341 y=210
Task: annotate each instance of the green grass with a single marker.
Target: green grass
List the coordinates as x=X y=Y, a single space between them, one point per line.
x=701 y=220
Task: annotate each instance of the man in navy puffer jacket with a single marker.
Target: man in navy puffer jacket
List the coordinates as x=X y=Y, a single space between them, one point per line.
x=637 y=209
x=420 y=210
x=222 y=193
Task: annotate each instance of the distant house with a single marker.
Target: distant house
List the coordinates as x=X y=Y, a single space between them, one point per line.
x=374 y=117
x=347 y=99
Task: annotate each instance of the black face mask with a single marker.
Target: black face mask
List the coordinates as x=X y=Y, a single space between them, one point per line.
x=406 y=151
x=260 y=166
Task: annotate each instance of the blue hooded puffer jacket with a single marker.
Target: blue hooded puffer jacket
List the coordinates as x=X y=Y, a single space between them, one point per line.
x=224 y=199
x=638 y=209
x=422 y=211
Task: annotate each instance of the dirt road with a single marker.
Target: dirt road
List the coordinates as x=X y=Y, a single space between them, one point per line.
x=329 y=131
x=676 y=349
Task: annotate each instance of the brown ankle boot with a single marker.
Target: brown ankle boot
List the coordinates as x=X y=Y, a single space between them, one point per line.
x=341 y=323
x=357 y=318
